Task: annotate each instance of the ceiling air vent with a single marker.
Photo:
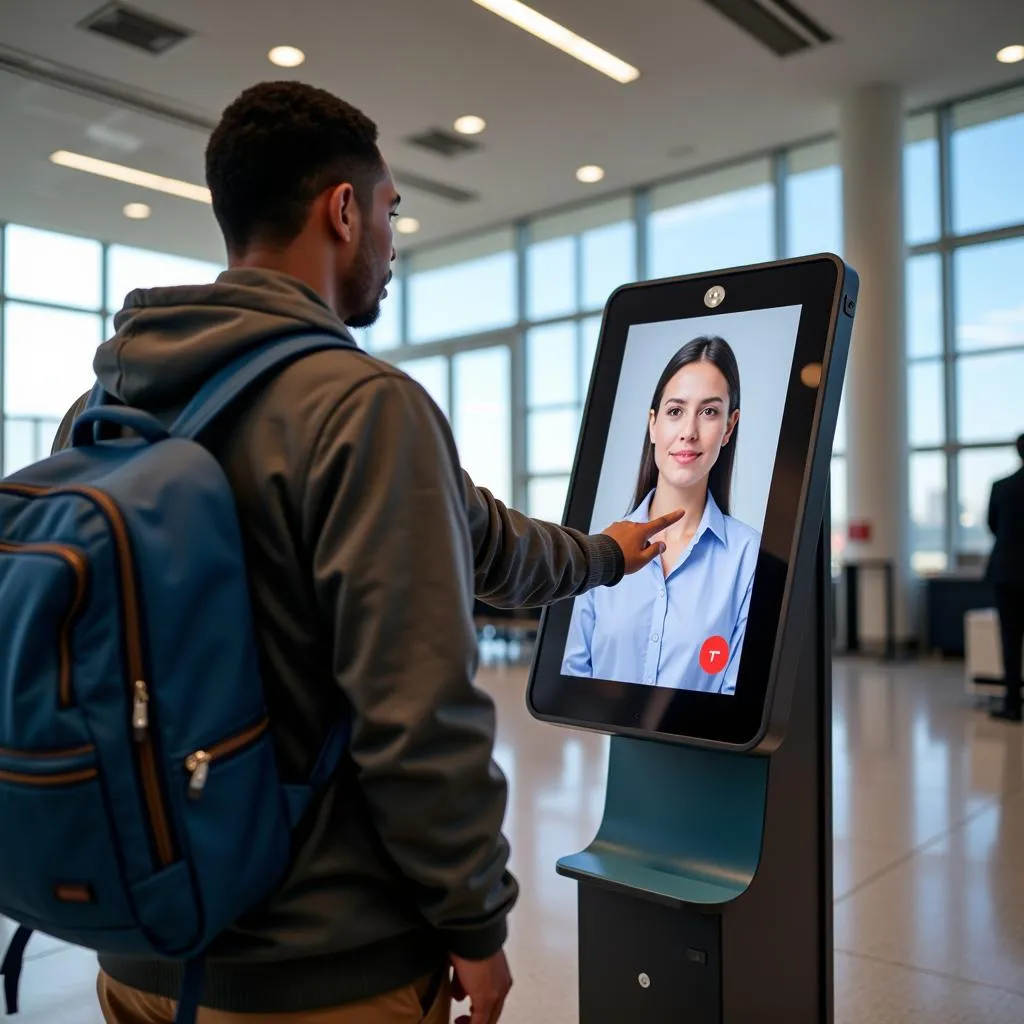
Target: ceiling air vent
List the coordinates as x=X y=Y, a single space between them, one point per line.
x=779 y=25
x=437 y=189
x=134 y=28
x=443 y=143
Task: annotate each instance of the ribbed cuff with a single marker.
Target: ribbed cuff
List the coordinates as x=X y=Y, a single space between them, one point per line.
x=607 y=562
x=478 y=944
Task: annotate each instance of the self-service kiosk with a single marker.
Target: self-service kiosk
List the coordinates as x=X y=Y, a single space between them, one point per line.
x=706 y=896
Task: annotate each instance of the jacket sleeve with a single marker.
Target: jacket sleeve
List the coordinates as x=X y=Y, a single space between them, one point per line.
x=385 y=521
x=521 y=562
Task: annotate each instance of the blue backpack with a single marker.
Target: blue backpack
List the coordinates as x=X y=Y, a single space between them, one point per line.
x=141 y=808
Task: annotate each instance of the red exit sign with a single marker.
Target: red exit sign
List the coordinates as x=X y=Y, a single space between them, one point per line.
x=859 y=530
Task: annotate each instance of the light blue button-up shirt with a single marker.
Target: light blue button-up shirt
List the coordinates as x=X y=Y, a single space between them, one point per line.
x=649 y=629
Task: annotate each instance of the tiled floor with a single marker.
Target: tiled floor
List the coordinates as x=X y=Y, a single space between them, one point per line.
x=929 y=857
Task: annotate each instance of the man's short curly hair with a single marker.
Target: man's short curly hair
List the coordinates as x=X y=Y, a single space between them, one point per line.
x=277 y=147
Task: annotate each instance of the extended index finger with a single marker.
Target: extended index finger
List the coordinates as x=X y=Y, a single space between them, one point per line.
x=665 y=521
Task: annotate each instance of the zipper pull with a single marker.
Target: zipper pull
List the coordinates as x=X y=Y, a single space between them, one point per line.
x=198 y=766
x=140 y=711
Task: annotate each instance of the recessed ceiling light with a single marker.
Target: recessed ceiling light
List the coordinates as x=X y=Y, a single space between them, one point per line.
x=561 y=38
x=286 y=56
x=470 y=124
x=590 y=174
x=1010 y=54
x=137 y=211
x=131 y=176
x=407 y=225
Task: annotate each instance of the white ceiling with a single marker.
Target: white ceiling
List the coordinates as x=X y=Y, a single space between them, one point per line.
x=707 y=93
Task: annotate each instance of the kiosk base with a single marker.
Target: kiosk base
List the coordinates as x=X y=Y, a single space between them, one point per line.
x=648 y=961
x=706 y=897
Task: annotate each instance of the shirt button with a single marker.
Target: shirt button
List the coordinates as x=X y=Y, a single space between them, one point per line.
x=661 y=593
x=649 y=681
x=656 y=637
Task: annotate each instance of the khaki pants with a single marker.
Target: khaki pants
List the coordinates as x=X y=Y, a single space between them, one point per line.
x=122 y=1005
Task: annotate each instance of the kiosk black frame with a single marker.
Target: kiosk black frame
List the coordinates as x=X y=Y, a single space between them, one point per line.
x=753 y=718
x=706 y=896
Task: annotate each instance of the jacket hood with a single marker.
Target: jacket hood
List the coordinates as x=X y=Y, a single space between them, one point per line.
x=169 y=341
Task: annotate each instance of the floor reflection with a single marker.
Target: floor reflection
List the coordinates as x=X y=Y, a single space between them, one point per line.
x=929 y=856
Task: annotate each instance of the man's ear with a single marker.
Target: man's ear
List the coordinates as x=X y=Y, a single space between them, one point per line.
x=342 y=213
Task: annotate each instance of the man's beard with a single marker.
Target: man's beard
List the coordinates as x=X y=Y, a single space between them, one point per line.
x=364 y=292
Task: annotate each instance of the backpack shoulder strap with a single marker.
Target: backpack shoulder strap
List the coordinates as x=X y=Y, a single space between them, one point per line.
x=230 y=383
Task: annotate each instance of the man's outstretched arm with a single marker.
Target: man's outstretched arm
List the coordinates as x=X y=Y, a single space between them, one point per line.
x=521 y=562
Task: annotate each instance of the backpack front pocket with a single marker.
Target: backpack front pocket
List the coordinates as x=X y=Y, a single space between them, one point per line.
x=47 y=582
x=52 y=795
x=235 y=780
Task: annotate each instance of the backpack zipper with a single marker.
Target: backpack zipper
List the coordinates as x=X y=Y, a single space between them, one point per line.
x=145 y=751
x=198 y=764
x=74 y=558
x=43 y=755
x=60 y=779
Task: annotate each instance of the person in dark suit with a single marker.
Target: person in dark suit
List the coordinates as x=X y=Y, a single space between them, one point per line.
x=1005 y=574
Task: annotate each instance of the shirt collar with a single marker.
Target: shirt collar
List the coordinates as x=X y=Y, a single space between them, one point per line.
x=713 y=518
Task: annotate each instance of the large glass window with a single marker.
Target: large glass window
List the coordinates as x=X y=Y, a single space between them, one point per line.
x=41 y=266
x=554 y=358
x=457 y=312
x=48 y=355
x=990 y=295
x=551 y=273
x=713 y=221
x=989 y=389
x=552 y=375
x=590 y=337
x=928 y=511
x=607 y=257
x=128 y=269
x=462 y=289
x=924 y=305
x=927 y=404
x=987 y=157
x=483 y=417
x=977 y=470
x=386 y=333
x=921 y=211
x=575 y=260
x=432 y=373
x=546 y=497
x=552 y=436
x=814 y=200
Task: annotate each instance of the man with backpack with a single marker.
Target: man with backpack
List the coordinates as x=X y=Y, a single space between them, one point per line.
x=364 y=544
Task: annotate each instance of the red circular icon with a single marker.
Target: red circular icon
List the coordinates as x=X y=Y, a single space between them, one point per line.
x=714 y=655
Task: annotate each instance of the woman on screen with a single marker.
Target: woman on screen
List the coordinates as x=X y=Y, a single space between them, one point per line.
x=680 y=622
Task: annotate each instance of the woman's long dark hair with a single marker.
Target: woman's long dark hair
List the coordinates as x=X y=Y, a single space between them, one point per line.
x=705 y=349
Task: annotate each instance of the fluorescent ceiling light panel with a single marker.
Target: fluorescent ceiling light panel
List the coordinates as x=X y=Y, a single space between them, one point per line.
x=131 y=176
x=561 y=38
